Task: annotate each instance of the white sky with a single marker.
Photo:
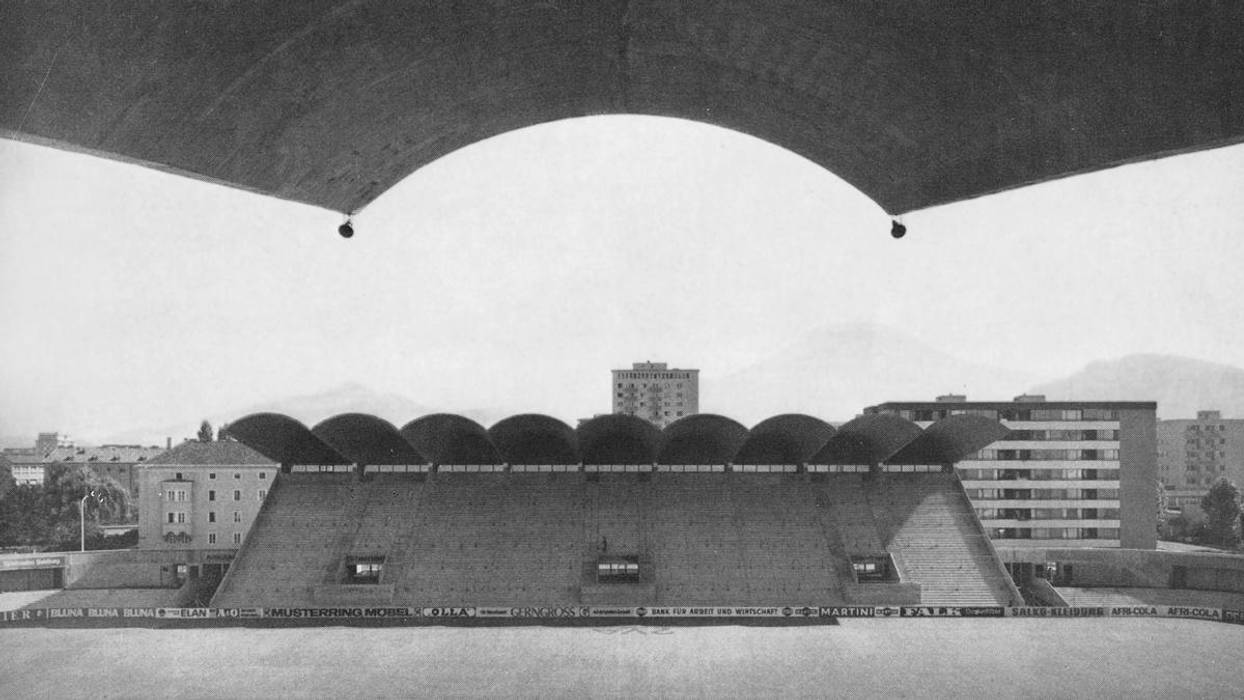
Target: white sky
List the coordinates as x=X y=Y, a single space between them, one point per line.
x=518 y=271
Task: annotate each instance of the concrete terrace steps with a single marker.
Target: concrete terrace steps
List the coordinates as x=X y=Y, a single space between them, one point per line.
x=520 y=538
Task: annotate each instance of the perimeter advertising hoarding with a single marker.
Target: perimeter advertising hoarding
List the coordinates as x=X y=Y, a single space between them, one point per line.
x=429 y=615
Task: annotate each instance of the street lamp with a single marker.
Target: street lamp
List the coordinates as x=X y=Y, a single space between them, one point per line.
x=82 y=515
x=82 y=519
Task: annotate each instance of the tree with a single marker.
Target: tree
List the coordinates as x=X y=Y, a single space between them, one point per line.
x=1222 y=508
x=6 y=476
x=63 y=489
x=205 y=432
x=23 y=520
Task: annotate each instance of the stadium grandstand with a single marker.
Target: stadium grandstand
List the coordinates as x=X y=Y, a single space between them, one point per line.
x=616 y=512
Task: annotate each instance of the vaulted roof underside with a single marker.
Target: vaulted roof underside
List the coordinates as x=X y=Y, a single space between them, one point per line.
x=532 y=438
x=442 y=438
x=447 y=438
x=949 y=440
x=332 y=102
x=366 y=439
x=791 y=438
x=618 y=439
x=702 y=438
x=868 y=439
x=283 y=439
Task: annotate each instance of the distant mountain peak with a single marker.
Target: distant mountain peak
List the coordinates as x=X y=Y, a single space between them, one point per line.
x=1180 y=385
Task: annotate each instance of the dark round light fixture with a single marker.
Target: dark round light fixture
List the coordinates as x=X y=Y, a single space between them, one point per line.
x=346 y=230
x=896 y=229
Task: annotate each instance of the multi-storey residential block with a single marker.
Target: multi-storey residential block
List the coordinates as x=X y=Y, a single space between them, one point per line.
x=1079 y=473
x=1194 y=453
x=202 y=496
x=656 y=393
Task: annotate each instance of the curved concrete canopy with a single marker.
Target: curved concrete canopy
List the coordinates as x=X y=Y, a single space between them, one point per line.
x=283 y=439
x=331 y=102
x=703 y=438
x=447 y=438
x=868 y=439
x=790 y=438
x=618 y=439
x=949 y=440
x=366 y=439
x=532 y=438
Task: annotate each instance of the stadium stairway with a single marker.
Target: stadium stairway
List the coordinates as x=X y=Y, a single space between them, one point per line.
x=928 y=525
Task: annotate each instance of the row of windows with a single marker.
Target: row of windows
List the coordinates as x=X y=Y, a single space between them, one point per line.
x=180 y=517
x=1063 y=435
x=1014 y=414
x=1207 y=428
x=1048 y=513
x=179 y=495
x=237 y=538
x=1055 y=533
x=212 y=475
x=1039 y=474
x=992 y=454
x=1044 y=494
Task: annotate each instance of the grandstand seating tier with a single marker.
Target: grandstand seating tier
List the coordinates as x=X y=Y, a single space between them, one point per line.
x=533 y=538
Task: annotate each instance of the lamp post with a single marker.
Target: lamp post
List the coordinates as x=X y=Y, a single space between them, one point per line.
x=82 y=520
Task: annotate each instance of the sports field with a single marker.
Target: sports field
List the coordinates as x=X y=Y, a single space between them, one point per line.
x=1123 y=658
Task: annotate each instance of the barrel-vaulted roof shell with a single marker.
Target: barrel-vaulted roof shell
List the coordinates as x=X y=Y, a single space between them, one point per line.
x=447 y=438
x=618 y=439
x=790 y=438
x=283 y=439
x=867 y=439
x=332 y=102
x=703 y=438
x=532 y=438
x=949 y=440
x=366 y=439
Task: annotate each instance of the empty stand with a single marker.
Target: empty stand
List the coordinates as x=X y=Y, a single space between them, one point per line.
x=532 y=539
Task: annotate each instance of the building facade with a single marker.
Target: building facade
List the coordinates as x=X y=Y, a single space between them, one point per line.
x=1194 y=453
x=656 y=393
x=202 y=496
x=1079 y=473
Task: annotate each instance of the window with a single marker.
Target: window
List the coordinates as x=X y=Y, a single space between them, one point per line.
x=211 y=475
x=179 y=476
x=237 y=495
x=211 y=538
x=211 y=516
x=211 y=495
x=170 y=495
x=181 y=517
x=237 y=516
x=263 y=475
x=170 y=517
x=237 y=538
x=262 y=495
x=181 y=496
x=237 y=475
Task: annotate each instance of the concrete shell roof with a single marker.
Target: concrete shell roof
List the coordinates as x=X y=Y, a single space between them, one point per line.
x=366 y=439
x=356 y=438
x=867 y=439
x=448 y=438
x=791 y=438
x=283 y=439
x=332 y=102
x=532 y=438
x=703 y=438
x=618 y=439
x=949 y=440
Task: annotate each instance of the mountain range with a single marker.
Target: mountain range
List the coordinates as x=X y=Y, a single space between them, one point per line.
x=832 y=372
